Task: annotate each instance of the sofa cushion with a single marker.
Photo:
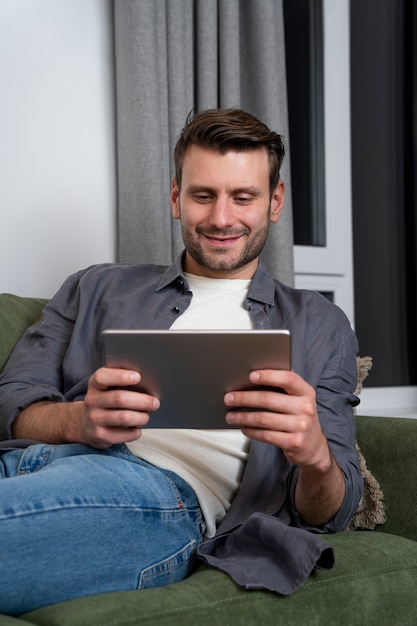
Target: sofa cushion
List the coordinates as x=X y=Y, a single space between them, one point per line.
x=389 y=445
x=16 y=314
x=373 y=582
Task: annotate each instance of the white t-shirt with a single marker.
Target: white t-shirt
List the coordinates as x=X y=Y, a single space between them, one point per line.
x=211 y=461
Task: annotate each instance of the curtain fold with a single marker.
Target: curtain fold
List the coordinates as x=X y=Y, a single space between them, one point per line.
x=174 y=56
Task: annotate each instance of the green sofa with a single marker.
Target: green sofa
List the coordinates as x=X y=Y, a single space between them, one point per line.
x=374 y=580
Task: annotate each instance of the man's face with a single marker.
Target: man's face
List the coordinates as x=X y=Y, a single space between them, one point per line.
x=225 y=210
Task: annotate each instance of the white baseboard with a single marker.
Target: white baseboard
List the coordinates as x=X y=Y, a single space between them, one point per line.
x=388 y=402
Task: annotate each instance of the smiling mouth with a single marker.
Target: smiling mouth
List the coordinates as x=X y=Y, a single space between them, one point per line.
x=222 y=241
x=221 y=238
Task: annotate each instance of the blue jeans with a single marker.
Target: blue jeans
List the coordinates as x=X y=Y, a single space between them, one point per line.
x=76 y=521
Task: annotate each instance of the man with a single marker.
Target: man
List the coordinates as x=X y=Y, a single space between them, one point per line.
x=105 y=502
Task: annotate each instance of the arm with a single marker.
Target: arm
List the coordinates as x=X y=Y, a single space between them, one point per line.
x=290 y=421
x=47 y=391
x=106 y=416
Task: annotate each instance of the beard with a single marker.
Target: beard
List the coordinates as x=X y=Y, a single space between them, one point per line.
x=224 y=259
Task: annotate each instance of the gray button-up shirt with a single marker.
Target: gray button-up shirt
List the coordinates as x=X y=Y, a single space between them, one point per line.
x=262 y=542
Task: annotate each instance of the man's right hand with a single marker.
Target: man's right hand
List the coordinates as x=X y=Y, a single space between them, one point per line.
x=110 y=413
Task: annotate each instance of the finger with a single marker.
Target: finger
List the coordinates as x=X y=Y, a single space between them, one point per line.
x=125 y=399
x=262 y=420
x=114 y=426
x=111 y=377
x=279 y=431
x=268 y=400
x=105 y=437
x=286 y=380
x=124 y=419
x=276 y=438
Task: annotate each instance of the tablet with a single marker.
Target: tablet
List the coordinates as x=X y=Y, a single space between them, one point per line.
x=190 y=371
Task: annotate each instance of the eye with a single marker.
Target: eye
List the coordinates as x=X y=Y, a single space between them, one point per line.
x=202 y=197
x=243 y=199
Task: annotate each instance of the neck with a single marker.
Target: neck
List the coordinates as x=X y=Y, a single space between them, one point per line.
x=242 y=273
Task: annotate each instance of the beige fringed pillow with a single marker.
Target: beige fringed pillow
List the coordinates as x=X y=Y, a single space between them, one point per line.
x=371 y=510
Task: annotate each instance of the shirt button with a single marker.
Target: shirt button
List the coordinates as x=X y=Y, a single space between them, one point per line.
x=175 y=310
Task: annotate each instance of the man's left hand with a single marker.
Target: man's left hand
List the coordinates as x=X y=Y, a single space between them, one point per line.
x=285 y=415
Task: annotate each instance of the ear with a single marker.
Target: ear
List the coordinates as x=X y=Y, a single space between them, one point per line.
x=175 y=199
x=277 y=201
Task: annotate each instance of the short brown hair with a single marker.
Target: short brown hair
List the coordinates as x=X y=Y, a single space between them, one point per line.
x=229 y=129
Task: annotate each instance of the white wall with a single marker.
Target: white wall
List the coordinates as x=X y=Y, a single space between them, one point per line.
x=57 y=142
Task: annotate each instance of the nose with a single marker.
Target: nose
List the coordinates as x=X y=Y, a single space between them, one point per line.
x=221 y=214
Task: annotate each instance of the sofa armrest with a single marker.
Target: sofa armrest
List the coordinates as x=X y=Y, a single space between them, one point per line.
x=389 y=446
x=16 y=315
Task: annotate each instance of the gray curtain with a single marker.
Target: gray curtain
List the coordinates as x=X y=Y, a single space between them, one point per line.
x=174 y=56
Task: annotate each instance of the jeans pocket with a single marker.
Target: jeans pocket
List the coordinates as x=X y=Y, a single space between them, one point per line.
x=35 y=458
x=172 y=569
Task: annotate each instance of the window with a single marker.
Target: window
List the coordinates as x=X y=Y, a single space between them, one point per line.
x=317 y=48
x=378 y=42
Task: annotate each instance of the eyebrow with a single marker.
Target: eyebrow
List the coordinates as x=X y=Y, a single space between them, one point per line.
x=252 y=191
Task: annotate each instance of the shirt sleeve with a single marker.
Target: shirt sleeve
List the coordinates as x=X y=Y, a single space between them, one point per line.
x=335 y=402
x=34 y=369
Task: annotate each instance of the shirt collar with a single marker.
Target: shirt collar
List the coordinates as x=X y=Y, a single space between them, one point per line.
x=173 y=273
x=262 y=287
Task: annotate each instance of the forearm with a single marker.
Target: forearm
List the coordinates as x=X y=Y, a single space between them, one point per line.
x=109 y=413
x=320 y=492
x=49 y=422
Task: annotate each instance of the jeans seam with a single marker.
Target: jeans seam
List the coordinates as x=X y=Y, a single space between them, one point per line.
x=61 y=506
